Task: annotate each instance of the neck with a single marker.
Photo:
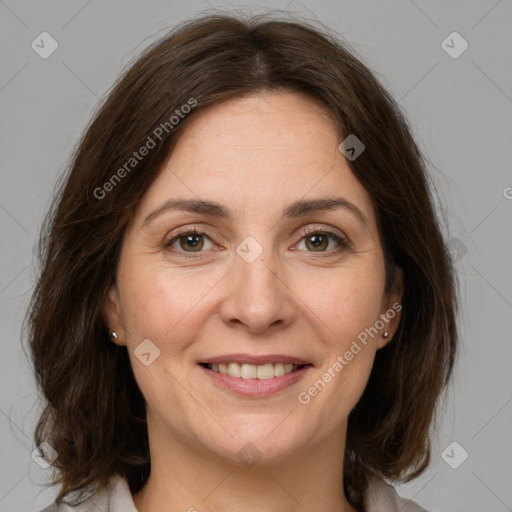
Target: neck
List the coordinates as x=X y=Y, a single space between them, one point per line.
x=184 y=477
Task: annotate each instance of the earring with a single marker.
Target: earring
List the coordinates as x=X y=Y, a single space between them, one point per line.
x=385 y=334
x=113 y=335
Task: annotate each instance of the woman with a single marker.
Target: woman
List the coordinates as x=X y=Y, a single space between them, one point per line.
x=245 y=300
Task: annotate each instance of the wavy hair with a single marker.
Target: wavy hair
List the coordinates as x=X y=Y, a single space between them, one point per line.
x=94 y=413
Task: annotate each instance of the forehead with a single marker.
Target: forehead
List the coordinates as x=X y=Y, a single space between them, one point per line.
x=258 y=117
x=257 y=153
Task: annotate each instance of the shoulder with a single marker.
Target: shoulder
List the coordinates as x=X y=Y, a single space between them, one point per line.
x=115 y=497
x=382 y=497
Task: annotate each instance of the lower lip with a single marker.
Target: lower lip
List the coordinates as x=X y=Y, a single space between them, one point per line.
x=256 y=387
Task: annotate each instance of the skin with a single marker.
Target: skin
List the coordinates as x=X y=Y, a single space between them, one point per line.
x=255 y=155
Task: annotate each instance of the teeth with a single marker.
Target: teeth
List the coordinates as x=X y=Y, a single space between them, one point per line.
x=252 y=371
x=249 y=371
x=279 y=369
x=234 y=370
x=265 y=371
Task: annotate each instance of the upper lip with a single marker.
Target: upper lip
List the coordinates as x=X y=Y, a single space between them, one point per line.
x=255 y=360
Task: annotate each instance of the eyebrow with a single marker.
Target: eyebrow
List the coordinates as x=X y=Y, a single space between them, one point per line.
x=293 y=210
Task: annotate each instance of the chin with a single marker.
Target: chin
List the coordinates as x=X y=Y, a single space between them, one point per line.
x=257 y=446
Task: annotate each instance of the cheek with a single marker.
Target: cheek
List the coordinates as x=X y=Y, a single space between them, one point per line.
x=343 y=313
x=345 y=303
x=166 y=309
x=160 y=304
x=332 y=396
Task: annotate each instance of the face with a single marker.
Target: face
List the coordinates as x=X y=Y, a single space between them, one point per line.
x=290 y=298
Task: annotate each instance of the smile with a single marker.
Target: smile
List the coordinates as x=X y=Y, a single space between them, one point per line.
x=252 y=371
x=255 y=381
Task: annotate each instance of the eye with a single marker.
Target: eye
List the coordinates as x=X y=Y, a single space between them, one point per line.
x=317 y=240
x=188 y=242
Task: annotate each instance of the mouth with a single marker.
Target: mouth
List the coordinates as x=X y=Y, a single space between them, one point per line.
x=254 y=377
x=265 y=371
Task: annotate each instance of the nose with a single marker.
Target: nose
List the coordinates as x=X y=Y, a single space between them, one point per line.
x=258 y=298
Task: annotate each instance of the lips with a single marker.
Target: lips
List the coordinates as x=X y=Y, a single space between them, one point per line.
x=255 y=375
x=254 y=387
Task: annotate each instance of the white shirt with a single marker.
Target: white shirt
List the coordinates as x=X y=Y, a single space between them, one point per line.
x=116 y=497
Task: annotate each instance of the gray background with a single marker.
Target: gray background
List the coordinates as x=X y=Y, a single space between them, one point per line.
x=460 y=110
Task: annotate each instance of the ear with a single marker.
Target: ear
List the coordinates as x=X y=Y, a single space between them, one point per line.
x=391 y=308
x=112 y=316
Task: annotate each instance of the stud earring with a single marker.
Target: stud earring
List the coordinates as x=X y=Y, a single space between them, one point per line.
x=385 y=335
x=113 y=335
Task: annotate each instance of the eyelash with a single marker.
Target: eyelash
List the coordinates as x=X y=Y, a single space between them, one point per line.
x=343 y=242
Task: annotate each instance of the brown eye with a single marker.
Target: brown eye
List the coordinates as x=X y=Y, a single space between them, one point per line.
x=192 y=241
x=189 y=242
x=318 y=241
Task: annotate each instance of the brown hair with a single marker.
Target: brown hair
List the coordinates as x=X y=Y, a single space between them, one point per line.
x=94 y=415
